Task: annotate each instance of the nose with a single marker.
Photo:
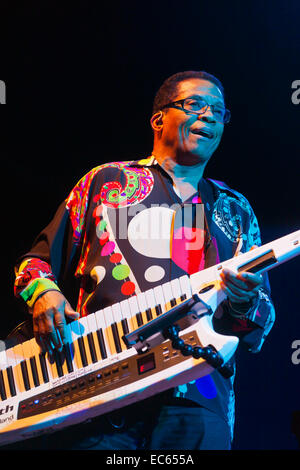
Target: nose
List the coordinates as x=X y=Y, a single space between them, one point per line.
x=208 y=116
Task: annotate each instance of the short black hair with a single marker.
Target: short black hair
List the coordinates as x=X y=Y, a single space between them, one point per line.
x=168 y=89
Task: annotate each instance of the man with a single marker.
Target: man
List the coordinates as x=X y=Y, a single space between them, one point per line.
x=90 y=256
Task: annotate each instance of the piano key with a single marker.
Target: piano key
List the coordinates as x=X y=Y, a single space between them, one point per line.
x=139 y=319
x=2 y=387
x=117 y=314
x=40 y=362
x=68 y=357
x=134 y=310
x=92 y=324
x=149 y=315
x=11 y=372
x=3 y=365
x=85 y=344
x=176 y=288
x=32 y=349
x=35 y=375
x=21 y=368
x=151 y=302
x=92 y=347
x=168 y=295
x=58 y=362
x=76 y=330
x=11 y=381
x=18 y=353
x=25 y=375
x=143 y=307
x=44 y=369
x=127 y=315
x=101 y=342
x=185 y=287
x=27 y=354
x=100 y=335
x=108 y=335
x=116 y=337
x=160 y=300
x=125 y=327
x=82 y=351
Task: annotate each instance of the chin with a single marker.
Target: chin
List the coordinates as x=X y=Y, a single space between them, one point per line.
x=195 y=158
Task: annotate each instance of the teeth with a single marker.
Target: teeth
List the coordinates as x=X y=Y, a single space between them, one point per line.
x=204 y=133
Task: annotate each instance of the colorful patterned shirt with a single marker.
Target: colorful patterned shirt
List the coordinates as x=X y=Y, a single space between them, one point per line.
x=117 y=234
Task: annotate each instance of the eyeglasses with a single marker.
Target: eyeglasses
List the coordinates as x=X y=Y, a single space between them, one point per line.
x=199 y=106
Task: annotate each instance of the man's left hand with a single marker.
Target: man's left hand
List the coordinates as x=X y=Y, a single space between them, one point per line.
x=240 y=288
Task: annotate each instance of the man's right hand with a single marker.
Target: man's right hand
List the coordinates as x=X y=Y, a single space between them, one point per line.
x=49 y=313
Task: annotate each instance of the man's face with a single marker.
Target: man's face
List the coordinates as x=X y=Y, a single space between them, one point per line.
x=180 y=131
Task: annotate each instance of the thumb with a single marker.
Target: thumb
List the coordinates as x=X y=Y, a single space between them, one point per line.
x=70 y=312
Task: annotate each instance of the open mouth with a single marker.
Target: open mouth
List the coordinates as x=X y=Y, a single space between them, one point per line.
x=207 y=133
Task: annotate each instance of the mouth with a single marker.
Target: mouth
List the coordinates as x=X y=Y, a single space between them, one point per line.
x=203 y=132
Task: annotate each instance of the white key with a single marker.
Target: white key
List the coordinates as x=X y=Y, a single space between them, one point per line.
x=167 y=290
x=185 y=286
x=134 y=309
x=108 y=335
x=126 y=313
x=176 y=288
x=12 y=362
x=159 y=298
x=3 y=366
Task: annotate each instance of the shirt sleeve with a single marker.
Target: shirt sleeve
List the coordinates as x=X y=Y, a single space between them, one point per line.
x=51 y=262
x=255 y=325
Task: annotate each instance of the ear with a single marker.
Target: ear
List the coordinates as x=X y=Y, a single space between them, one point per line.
x=156 y=121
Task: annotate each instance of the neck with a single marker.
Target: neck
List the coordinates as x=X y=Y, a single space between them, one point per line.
x=178 y=172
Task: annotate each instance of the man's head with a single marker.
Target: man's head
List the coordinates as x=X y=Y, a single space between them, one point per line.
x=188 y=117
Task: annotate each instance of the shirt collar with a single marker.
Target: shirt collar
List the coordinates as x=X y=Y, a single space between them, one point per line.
x=148 y=161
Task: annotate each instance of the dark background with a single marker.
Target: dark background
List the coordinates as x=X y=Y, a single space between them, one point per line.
x=80 y=83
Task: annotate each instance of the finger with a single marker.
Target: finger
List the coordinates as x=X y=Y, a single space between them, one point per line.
x=243 y=291
x=61 y=328
x=70 y=312
x=252 y=279
x=234 y=297
x=245 y=281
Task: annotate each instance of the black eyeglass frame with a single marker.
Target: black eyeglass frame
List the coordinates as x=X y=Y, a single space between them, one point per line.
x=227 y=113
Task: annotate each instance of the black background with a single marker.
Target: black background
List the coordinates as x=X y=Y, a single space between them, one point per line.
x=80 y=84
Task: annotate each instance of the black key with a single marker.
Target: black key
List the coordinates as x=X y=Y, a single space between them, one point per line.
x=82 y=351
x=34 y=371
x=25 y=375
x=44 y=367
x=158 y=309
x=92 y=347
x=173 y=302
x=11 y=381
x=68 y=356
x=101 y=343
x=58 y=362
x=2 y=387
x=183 y=297
x=125 y=326
x=149 y=314
x=116 y=337
x=139 y=319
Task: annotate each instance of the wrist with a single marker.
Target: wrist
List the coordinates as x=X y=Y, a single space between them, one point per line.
x=36 y=289
x=240 y=310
